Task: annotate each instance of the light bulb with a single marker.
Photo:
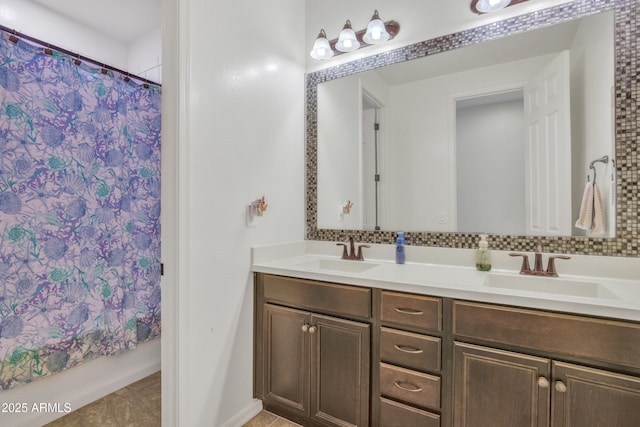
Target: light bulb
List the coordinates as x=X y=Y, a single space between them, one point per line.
x=376 y=31
x=484 y=6
x=347 y=42
x=321 y=47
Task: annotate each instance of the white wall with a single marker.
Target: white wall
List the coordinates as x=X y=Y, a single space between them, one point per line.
x=43 y=24
x=490 y=160
x=592 y=115
x=92 y=380
x=144 y=56
x=418 y=176
x=240 y=128
x=339 y=152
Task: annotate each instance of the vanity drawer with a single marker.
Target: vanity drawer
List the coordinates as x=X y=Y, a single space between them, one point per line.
x=321 y=297
x=412 y=311
x=394 y=414
x=609 y=341
x=410 y=386
x=411 y=350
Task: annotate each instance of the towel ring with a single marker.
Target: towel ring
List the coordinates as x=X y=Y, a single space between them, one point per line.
x=603 y=159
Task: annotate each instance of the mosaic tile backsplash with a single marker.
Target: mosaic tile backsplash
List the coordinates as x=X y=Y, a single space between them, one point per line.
x=627 y=75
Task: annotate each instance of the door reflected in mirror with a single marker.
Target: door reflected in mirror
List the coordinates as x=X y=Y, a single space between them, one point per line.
x=495 y=137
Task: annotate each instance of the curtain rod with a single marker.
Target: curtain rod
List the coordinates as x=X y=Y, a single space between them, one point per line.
x=78 y=56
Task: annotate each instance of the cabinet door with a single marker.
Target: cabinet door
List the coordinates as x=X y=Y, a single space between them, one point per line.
x=286 y=358
x=585 y=397
x=340 y=371
x=496 y=388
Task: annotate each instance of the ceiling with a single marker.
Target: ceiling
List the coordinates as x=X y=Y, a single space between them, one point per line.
x=124 y=20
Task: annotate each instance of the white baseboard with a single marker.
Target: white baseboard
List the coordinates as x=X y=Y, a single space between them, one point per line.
x=245 y=415
x=81 y=384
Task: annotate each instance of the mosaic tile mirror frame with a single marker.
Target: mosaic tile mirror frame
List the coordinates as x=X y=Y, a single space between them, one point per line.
x=627 y=78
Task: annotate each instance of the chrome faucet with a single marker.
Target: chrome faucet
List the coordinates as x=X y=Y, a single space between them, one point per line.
x=350 y=253
x=538 y=268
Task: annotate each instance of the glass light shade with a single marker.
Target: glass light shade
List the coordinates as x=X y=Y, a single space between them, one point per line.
x=321 y=48
x=485 y=6
x=376 y=31
x=347 y=42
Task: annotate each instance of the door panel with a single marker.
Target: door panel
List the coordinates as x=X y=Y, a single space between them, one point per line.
x=548 y=153
x=286 y=360
x=340 y=363
x=495 y=388
x=586 y=397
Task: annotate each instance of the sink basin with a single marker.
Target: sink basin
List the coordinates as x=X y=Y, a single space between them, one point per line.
x=344 y=266
x=550 y=285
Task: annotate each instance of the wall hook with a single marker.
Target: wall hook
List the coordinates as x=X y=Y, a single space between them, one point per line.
x=260 y=206
x=346 y=207
x=256 y=209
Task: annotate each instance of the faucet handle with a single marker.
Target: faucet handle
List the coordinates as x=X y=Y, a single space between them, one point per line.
x=551 y=265
x=525 y=261
x=360 y=257
x=344 y=250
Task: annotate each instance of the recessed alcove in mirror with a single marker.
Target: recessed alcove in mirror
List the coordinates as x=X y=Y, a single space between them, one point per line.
x=626 y=240
x=492 y=137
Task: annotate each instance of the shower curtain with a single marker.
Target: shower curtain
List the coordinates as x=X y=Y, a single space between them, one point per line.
x=79 y=212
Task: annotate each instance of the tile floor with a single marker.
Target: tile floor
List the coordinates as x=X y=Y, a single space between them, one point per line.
x=136 y=405
x=139 y=405
x=267 y=419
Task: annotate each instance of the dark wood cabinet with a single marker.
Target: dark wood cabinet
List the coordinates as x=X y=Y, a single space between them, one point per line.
x=313 y=368
x=329 y=354
x=583 y=397
x=285 y=366
x=410 y=351
x=340 y=355
x=495 y=388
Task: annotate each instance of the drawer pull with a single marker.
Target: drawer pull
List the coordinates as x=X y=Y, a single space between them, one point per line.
x=407 y=387
x=408 y=311
x=407 y=349
x=543 y=382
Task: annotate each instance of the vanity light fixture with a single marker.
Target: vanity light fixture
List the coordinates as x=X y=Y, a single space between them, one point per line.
x=377 y=32
x=347 y=42
x=486 y=6
x=321 y=47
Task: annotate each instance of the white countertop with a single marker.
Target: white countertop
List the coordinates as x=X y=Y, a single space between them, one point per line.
x=592 y=285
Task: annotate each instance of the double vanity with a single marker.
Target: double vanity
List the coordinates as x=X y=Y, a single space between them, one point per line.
x=434 y=342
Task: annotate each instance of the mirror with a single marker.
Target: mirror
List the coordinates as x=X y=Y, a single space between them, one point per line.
x=494 y=137
x=625 y=170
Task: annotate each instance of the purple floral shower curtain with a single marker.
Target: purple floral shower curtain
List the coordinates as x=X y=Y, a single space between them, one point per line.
x=79 y=212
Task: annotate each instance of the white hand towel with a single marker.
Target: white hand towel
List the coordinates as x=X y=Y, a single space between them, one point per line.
x=598 y=211
x=585 y=219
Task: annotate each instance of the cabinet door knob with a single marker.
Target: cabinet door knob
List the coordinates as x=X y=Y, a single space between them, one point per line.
x=312 y=329
x=560 y=387
x=543 y=382
x=305 y=327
